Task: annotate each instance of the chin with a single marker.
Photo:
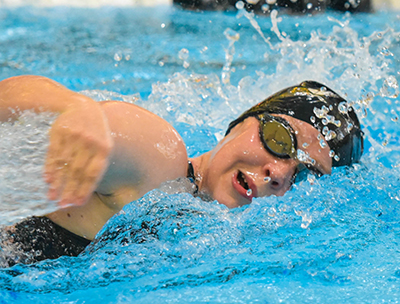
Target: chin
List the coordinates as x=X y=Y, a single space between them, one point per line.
x=232 y=203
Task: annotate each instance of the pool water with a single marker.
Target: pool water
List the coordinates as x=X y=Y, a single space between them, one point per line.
x=330 y=240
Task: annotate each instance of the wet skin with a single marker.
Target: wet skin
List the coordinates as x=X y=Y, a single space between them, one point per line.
x=241 y=156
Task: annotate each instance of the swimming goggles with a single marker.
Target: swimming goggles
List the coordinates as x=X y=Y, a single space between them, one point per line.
x=279 y=139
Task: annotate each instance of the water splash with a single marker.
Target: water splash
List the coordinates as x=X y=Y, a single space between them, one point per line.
x=23 y=146
x=325 y=238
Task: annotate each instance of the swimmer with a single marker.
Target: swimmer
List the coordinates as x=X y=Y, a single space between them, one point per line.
x=103 y=155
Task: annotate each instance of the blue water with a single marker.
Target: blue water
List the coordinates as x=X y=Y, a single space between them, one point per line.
x=331 y=240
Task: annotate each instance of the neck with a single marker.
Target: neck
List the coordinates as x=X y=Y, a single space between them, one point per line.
x=199 y=167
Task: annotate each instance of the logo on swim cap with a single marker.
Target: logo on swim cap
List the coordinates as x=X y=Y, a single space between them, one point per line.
x=325 y=110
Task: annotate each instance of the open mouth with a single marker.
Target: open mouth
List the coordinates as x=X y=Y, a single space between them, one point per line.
x=244 y=185
x=242 y=181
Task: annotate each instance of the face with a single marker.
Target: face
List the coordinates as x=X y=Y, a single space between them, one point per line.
x=239 y=168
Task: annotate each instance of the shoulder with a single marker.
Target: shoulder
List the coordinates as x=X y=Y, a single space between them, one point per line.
x=147 y=149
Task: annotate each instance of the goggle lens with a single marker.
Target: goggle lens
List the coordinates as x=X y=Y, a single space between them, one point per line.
x=279 y=139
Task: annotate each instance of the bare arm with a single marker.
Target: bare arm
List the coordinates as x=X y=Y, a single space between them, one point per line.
x=80 y=140
x=147 y=152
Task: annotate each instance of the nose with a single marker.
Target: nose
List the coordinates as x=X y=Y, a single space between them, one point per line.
x=278 y=176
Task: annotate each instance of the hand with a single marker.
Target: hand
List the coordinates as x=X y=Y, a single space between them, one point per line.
x=80 y=143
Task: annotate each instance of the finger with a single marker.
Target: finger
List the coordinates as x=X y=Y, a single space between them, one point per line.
x=52 y=152
x=93 y=173
x=74 y=177
x=61 y=164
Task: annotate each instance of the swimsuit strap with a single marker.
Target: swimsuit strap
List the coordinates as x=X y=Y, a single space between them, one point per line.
x=190 y=175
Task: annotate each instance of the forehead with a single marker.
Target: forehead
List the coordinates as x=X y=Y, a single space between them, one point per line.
x=311 y=141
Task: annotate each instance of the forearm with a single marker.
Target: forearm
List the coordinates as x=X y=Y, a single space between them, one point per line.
x=80 y=139
x=39 y=94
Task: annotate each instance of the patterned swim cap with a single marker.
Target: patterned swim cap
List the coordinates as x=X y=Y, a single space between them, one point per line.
x=319 y=106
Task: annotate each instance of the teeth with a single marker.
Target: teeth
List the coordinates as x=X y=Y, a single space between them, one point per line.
x=243 y=181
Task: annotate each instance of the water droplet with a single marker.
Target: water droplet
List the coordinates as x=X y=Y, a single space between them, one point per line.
x=343 y=107
x=231 y=34
x=337 y=158
x=349 y=127
x=249 y=192
x=312 y=119
x=309 y=6
x=330 y=135
x=320 y=113
x=322 y=144
x=385 y=52
x=267 y=179
x=162 y=25
x=239 y=5
x=253 y=1
x=325 y=130
x=305 y=145
x=265 y=7
x=322 y=89
x=271 y=2
x=331 y=153
x=183 y=54
x=117 y=57
x=272 y=212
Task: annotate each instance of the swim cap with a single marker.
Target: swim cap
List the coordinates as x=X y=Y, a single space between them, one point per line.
x=319 y=106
